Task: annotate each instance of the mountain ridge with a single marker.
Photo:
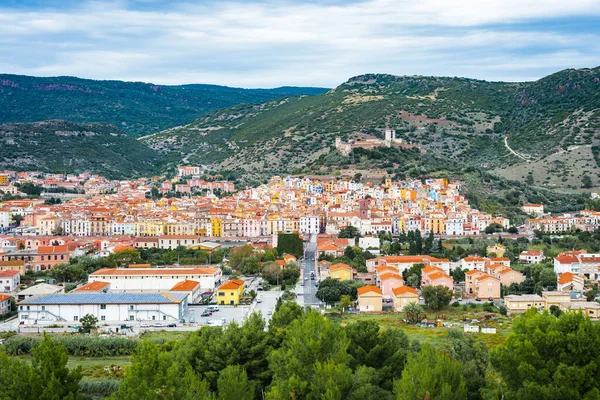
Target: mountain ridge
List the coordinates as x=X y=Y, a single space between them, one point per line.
x=138 y=108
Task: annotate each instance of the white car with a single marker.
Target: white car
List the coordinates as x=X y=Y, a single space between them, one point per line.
x=144 y=326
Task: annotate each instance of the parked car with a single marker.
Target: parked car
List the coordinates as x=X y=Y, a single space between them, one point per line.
x=158 y=325
x=172 y=325
x=490 y=299
x=145 y=326
x=259 y=288
x=213 y=308
x=477 y=299
x=206 y=313
x=259 y=299
x=459 y=299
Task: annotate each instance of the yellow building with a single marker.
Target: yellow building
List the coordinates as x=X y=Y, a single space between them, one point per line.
x=216 y=226
x=340 y=271
x=230 y=292
x=437 y=224
x=370 y=298
x=404 y=295
x=3 y=179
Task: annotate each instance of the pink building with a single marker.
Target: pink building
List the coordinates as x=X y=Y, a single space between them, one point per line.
x=48 y=256
x=388 y=281
x=434 y=276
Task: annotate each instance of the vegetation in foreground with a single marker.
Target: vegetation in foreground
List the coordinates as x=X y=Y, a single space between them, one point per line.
x=305 y=355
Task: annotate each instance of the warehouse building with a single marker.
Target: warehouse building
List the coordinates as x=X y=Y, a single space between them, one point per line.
x=107 y=307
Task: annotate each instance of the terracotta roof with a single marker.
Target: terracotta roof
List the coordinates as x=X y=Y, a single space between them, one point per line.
x=51 y=249
x=155 y=271
x=384 y=268
x=8 y=274
x=390 y=275
x=473 y=272
x=438 y=275
x=486 y=276
x=4 y=297
x=186 y=285
x=340 y=266
x=367 y=289
x=92 y=286
x=405 y=289
x=231 y=285
x=139 y=266
x=567 y=259
x=565 y=277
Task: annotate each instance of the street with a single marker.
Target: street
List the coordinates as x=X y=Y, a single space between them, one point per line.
x=309 y=289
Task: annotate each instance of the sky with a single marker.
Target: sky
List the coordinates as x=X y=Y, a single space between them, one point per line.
x=297 y=43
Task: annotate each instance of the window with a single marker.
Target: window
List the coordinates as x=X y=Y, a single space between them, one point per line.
x=103 y=306
x=221 y=293
x=76 y=318
x=103 y=318
x=165 y=317
x=43 y=308
x=131 y=307
x=153 y=318
x=131 y=317
x=27 y=308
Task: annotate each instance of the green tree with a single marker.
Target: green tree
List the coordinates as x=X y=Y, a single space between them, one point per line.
x=436 y=297
x=66 y=272
x=431 y=375
x=233 y=383
x=586 y=181
x=290 y=243
x=239 y=254
x=154 y=374
x=383 y=351
x=88 y=323
x=311 y=347
x=413 y=313
x=271 y=272
x=473 y=354
x=18 y=380
x=414 y=270
x=17 y=219
x=49 y=364
x=550 y=358
x=349 y=232
x=345 y=302
x=458 y=275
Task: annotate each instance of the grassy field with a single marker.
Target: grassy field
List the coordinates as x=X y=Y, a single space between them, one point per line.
x=437 y=336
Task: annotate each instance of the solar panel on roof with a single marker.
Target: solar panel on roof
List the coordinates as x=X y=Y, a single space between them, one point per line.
x=106 y=298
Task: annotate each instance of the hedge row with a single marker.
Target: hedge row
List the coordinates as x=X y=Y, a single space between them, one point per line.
x=83 y=346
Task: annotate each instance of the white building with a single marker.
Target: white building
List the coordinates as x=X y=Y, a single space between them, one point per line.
x=454 y=227
x=4 y=304
x=531 y=257
x=310 y=224
x=156 y=279
x=4 y=219
x=9 y=281
x=368 y=242
x=107 y=307
x=174 y=241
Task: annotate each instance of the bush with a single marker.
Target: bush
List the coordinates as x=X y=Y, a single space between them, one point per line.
x=489 y=307
x=455 y=304
x=103 y=388
x=76 y=345
x=503 y=310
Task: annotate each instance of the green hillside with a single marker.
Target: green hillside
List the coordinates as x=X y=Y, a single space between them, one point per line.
x=68 y=147
x=451 y=121
x=136 y=108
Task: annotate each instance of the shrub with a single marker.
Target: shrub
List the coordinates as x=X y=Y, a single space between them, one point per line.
x=103 y=388
x=455 y=304
x=503 y=310
x=76 y=345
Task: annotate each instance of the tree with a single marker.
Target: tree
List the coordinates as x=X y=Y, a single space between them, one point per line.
x=458 y=274
x=349 y=232
x=436 y=297
x=49 y=364
x=66 y=272
x=413 y=313
x=513 y=230
x=238 y=254
x=529 y=179
x=154 y=374
x=88 y=323
x=415 y=270
x=30 y=189
x=431 y=375
x=586 y=181
x=313 y=347
x=233 y=383
x=383 y=351
x=18 y=218
x=345 y=302
x=555 y=310
x=290 y=243
x=473 y=354
x=550 y=358
x=271 y=272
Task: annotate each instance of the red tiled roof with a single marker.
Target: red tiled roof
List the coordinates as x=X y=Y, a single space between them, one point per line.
x=367 y=289
x=92 y=286
x=405 y=289
x=155 y=271
x=231 y=285
x=185 y=286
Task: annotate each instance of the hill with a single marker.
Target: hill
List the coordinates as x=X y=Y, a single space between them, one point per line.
x=450 y=123
x=136 y=108
x=68 y=147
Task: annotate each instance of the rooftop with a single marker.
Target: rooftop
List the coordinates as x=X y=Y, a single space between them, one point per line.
x=107 y=298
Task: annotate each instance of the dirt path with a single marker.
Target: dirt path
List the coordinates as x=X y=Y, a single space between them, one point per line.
x=512 y=151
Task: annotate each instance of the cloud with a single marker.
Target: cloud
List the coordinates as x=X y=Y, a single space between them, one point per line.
x=265 y=43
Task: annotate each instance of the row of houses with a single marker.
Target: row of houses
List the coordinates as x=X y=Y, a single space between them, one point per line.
x=565 y=301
